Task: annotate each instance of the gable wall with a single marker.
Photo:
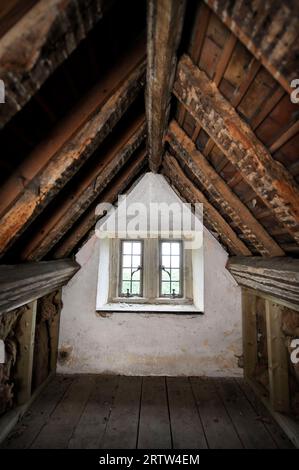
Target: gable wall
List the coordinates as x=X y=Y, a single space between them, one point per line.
x=151 y=344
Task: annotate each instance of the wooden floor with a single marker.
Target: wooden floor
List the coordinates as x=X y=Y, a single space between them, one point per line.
x=107 y=412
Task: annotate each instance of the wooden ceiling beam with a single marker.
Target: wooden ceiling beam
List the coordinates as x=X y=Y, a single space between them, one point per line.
x=88 y=220
x=186 y=188
x=23 y=283
x=220 y=70
x=69 y=157
x=165 y=22
x=267 y=177
x=269 y=30
x=287 y=135
x=220 y=192
x=267 y=107
x=71 y=124
x=201 y=23
x=11 y=11
x=275 y=276
x=38 y=43
x=91 y=184
x=238 y=95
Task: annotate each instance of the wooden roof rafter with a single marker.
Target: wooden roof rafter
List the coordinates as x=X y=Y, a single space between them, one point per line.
x=267 y=177
x=105 y=107
x=269 y=30
x=74 y=237
x=91 y=185
x=165 y=24
x=39 y=42
x=212 y=218
x=220 y=193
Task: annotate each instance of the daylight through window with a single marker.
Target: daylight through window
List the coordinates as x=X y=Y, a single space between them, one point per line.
x=171 y=269
x=131 y=268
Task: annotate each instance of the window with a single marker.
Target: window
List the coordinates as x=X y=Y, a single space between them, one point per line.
x=171 y=269
x=131 y=268
x=152 y=271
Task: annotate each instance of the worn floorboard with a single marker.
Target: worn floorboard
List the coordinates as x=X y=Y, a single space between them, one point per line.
x=277 y=434
x=122 y=428
x=108 y=412
x=92 y=425
x=57 y=432
x=186 y=426
x=219 y=428
x=39 y=413
x=154 y=425
x=250 y=429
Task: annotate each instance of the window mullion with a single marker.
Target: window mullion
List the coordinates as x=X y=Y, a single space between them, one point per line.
x=150 y=269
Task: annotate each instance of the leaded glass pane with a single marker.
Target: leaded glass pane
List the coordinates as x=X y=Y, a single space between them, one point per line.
x=171 y=268
x=131 y=268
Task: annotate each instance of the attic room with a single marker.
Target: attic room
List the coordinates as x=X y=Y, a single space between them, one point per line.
x=149 y=235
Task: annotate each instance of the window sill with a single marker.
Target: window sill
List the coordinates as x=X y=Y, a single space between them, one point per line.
x=147 y=308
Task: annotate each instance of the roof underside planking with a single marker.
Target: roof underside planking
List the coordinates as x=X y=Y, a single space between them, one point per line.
x=81 y=123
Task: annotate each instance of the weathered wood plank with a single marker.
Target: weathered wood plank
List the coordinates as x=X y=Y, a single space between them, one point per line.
x=90 y=217
x=219 y=430
x=278 y=435
x=278 y=277
x=93 y=183
x=186 y=428
x=68 y=159
x=25 y=336
x=78 y=411
x=35 y=46
x=122 y=428
x=57 y=432
x=218 y=75
x=40 y=411
x=92 y=424
x=23 y=283
x=277 y=359
x=267 y=177
x=251 y=431
x=54 y=332
x=269 y=30
x=186 y=188
x=11 y=11
x=165 y=22
x=249 y=328
x=220 y=192
x=154 y=426
x=90 y=104
x=285 y=137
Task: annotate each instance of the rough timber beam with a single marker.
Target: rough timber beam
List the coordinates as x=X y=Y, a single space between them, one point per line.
x=165 y=23
x=23 y=283
x=278 y=277
x=99 y=119
x=87 y=222
x=93 y=183
x=186 y=188
x=36 y=45
x=269 y=29
x=267 y=177
x=220 y=192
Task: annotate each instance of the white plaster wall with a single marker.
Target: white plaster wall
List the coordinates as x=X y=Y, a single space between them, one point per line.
x=152 y=344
